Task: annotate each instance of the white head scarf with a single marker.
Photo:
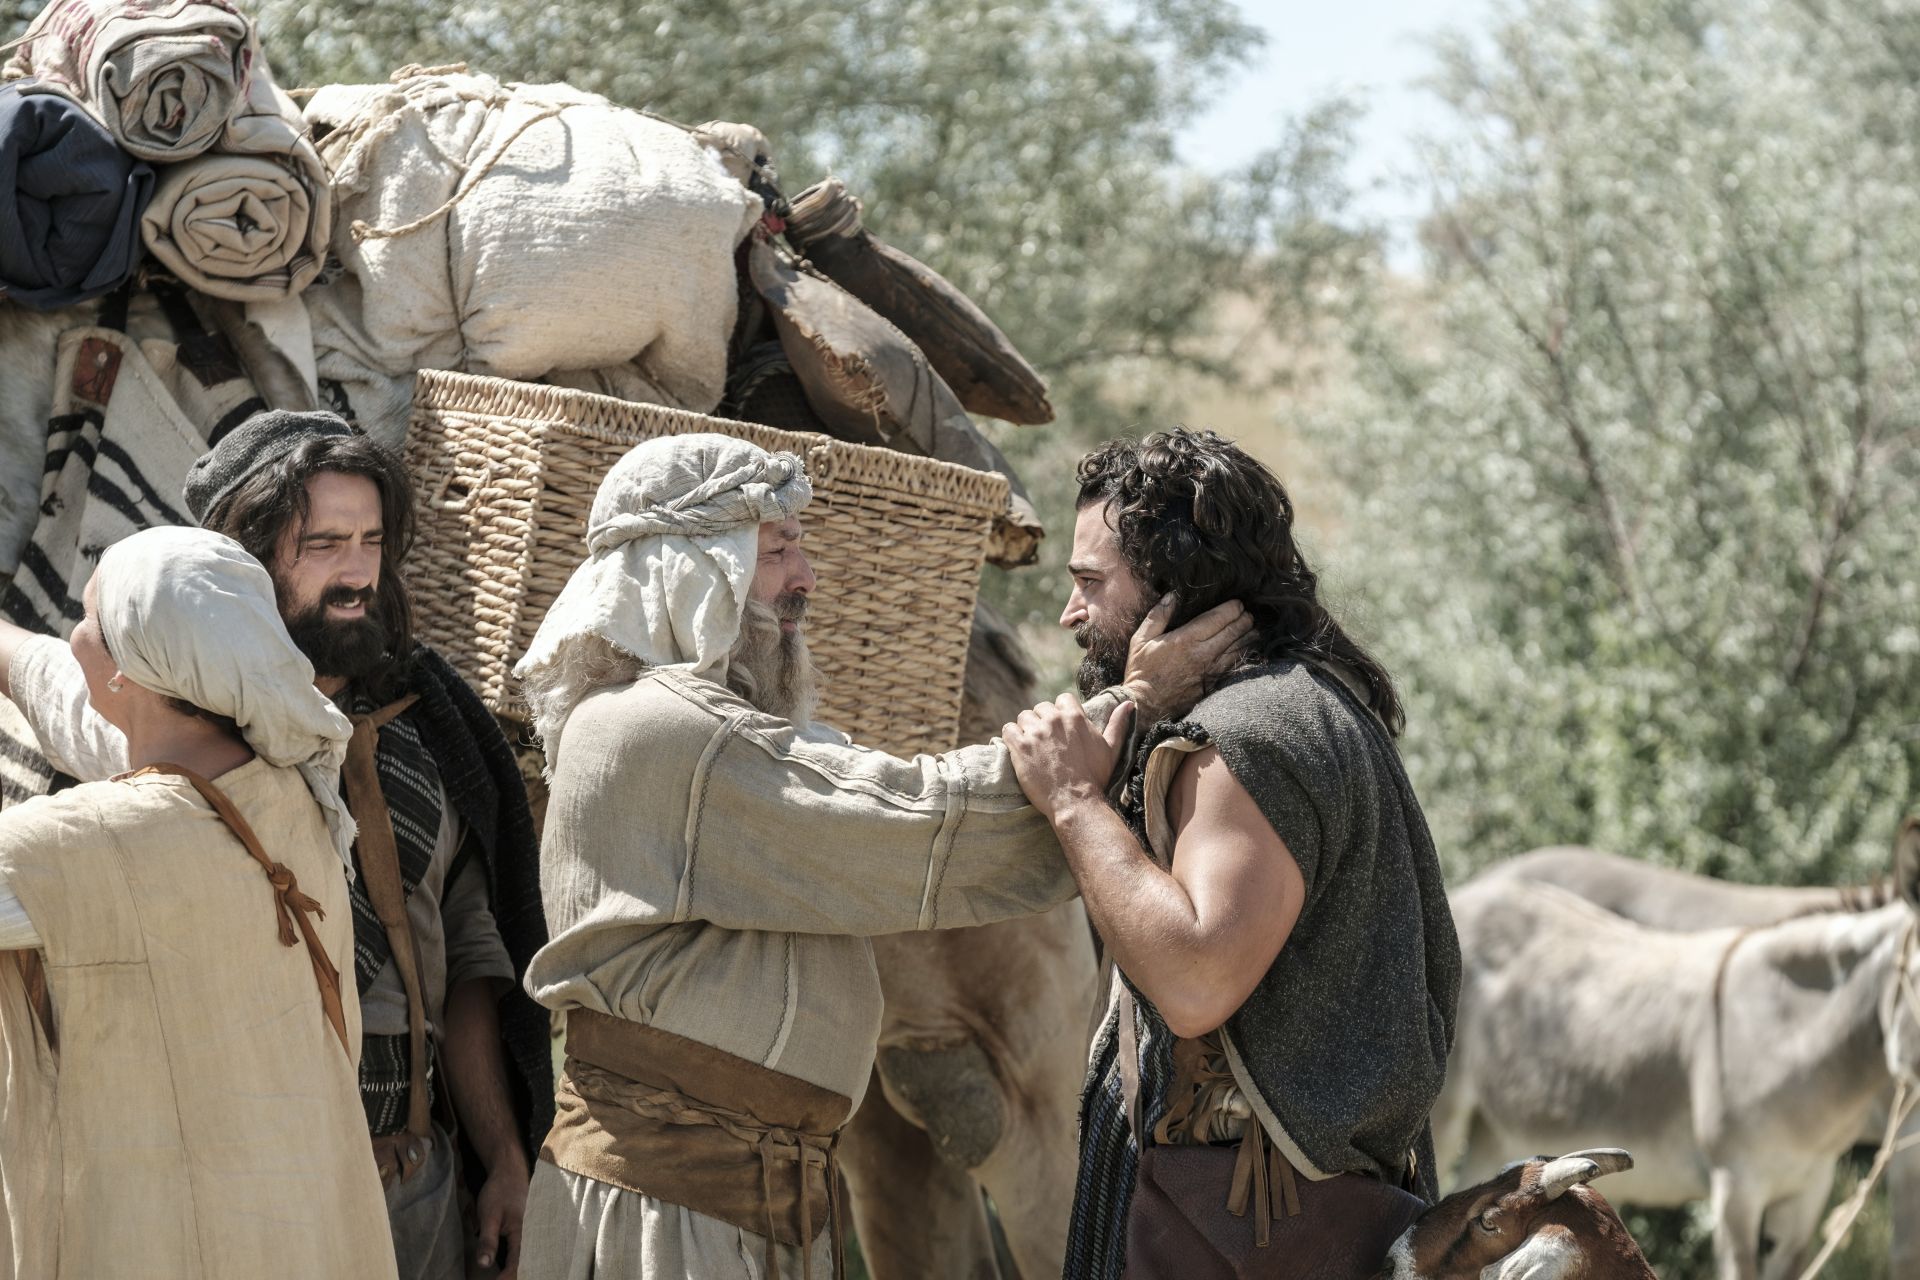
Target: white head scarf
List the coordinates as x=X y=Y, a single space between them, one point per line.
x=672 y=543
x=189 y=614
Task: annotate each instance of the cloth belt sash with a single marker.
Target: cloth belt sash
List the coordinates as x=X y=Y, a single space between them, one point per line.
x=686 y=1123
x=396 y=1155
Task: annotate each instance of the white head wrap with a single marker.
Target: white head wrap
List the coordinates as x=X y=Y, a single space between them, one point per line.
x=189 y=614
x=672 y=543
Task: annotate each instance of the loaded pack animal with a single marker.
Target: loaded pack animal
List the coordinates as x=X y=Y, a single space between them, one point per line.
x=982 y=1053
x=1739 y=1063
x=1534 y=1220
x=1663 y=898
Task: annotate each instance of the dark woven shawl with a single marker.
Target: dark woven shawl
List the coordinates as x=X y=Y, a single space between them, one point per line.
x=482 y=782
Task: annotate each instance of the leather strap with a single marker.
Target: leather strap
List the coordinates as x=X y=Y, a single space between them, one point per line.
x=294 y=908
x=379 y=862
x=1128 y=1051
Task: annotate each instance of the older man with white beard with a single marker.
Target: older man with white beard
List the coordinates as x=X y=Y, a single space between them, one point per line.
x=714 y=863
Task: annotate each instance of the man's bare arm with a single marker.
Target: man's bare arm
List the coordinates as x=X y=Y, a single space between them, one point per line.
x=477 y=1078
x=1195 y=940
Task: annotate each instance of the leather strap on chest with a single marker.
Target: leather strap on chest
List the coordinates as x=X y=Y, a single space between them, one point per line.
x=379 y=861
x=293 y=909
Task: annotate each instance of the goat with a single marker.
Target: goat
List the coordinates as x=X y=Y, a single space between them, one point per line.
x=1535 y=1220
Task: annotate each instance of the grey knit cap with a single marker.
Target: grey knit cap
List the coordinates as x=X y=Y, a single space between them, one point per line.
x=260 y=441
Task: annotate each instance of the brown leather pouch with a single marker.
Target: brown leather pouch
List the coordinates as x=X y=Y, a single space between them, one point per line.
x=1180 y=1228
x=1189 y=1218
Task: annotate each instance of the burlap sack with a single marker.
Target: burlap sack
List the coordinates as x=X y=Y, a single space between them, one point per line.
x=515 y=230
x=870 y=384
x=967 y=349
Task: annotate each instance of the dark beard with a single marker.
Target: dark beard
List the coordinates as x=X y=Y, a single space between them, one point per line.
x=351 y=650
x=1106 y=662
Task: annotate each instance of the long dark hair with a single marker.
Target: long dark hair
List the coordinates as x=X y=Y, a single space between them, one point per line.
x=264 y=505
x=1197 y=515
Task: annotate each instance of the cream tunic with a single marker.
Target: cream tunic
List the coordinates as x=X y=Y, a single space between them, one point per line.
x=200 y=1118
x=709 y=870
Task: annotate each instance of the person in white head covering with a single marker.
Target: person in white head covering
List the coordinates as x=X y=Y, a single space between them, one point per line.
x=713 y=866
x=673 y=544
x=180 y=1074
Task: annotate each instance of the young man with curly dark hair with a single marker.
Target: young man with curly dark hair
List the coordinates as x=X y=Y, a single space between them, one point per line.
x=1263 y=878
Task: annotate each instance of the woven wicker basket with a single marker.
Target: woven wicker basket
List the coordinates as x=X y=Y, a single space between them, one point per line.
x=506 y=473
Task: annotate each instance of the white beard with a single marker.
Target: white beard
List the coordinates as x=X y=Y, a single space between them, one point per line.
x=771 y=669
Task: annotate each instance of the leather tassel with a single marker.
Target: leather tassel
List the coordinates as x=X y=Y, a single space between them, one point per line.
x=1262 y=1192
x=1283 y=1179
x=1242 y=1179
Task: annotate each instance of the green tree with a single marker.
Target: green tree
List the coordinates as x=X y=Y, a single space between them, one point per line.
x=1632 y=467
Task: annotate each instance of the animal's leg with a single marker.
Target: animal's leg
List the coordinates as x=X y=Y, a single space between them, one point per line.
x=984 y=1047
x=1030 y=1175
x=1790 y=1225
x=1452 y=1129
x=1903 y=1195
x=1482 y=1155
x=917 y=1214
x=1736 y=1228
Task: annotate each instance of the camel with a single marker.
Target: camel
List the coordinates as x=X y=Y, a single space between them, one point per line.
x=982 y=1055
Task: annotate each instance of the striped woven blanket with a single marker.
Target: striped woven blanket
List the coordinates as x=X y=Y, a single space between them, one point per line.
x=118 y=446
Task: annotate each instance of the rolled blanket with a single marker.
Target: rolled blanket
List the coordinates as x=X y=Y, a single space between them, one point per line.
x=249 y=220
x=70 y=202
x=164 y=76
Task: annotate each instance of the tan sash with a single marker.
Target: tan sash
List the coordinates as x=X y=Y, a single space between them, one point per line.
x=379 y=863
x=294 y=907
x=683 y=1122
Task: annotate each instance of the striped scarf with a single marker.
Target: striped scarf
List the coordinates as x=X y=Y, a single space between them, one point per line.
x=410 y=782
x=1109 y=1157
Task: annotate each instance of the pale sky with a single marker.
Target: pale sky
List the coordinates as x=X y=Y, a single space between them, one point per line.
x=1371 y=50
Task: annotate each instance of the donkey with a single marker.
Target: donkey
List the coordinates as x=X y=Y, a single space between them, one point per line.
x=1663 y=898
x=1738 y=1064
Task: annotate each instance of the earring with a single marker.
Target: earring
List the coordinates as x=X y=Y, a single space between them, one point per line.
x=114 y=685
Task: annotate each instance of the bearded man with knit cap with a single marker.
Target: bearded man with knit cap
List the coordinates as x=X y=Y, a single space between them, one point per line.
x=713 y=865
x=444 y=904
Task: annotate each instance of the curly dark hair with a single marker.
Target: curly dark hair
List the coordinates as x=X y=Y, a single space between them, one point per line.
x=1197 y=515
x=261 y=507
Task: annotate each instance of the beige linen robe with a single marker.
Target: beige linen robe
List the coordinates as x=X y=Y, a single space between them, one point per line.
x=199 y=1117
x=452 y=923
x=711 y=871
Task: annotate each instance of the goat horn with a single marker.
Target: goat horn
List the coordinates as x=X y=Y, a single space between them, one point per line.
x=1610 y=1159
x=1567 y=1171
